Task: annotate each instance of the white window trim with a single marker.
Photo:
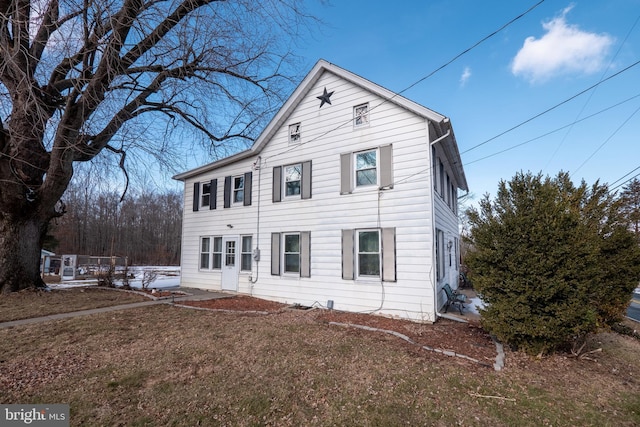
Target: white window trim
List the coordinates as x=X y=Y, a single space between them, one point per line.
x=284 y=253
x=367 y=115
x=354 y=171
x=284 y=182
x=295 y=133
x=358 y=276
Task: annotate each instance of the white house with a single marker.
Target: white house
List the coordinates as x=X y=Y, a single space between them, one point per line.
x=348 y=198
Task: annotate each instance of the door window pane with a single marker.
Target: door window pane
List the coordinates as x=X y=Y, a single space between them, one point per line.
x=230 y=254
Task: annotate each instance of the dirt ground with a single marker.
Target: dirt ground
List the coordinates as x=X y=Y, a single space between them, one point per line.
x=467 y=339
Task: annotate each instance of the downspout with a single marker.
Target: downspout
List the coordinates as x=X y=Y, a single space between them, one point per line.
x=434 y=278
x=256 y=252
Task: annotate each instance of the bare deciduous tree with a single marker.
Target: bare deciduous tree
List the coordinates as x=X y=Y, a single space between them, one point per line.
x=83 y=77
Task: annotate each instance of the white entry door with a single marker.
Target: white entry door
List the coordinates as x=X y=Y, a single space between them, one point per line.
x=230 y=263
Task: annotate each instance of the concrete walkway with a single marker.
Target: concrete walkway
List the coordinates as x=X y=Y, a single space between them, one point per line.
x=192 y=294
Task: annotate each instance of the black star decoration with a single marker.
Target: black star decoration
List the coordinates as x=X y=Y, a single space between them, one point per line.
x=325 y=97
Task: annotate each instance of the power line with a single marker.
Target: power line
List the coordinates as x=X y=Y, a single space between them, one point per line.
x=552 y=108
x=564 y=138
x=624 y=176
x=553 y=131
x=395 y=94
x=623 y=183
x=606 y=140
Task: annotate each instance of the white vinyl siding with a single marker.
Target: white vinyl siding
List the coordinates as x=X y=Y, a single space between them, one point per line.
x=401 y=206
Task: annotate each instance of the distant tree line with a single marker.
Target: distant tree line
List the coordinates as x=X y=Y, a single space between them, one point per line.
x=145 y=227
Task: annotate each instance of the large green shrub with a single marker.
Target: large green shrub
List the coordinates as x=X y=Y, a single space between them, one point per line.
x=551 y=261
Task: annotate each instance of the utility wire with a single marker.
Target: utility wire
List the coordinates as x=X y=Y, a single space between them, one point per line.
x=624 y=176
x=564 y=138
x=395 y=94
x=623 y=183
x=606 y=141
x=552 y=108
x=553 y=131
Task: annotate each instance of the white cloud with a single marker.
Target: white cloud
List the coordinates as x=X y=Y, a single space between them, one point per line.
x=563 y=49
x=466 y=74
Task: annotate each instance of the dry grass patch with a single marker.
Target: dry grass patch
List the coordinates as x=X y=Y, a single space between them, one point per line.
x=35 y=303
x=164 y=365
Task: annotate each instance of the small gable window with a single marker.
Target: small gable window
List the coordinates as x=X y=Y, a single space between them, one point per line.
x=294 y=133
x=361 y=115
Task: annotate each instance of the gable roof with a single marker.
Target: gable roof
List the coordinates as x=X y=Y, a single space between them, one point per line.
x=442 y=123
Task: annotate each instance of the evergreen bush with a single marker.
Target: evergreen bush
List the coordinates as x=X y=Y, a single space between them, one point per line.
x=552 y=261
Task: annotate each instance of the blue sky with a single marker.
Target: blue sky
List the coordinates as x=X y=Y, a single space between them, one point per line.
x=554 y=52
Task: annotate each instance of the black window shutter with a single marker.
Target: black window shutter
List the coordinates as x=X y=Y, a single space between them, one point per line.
x=248 y=181
x=227 y=191
x=277 y=184
x=196 y=196
x=306 y=180
x=213 y=194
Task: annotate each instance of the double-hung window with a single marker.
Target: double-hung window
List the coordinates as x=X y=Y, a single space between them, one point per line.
x=216 y=255
x=206 y=194
x=238 y=189
x=210 y=253
x=205 y=252
x=369 y=254
x=292 y=253
x=361 y=115
x=366 y=168
x=292 y=179
x=245 y=262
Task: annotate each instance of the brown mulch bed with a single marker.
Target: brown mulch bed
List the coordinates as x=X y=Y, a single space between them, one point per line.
x=239 y=303
x=467 y=339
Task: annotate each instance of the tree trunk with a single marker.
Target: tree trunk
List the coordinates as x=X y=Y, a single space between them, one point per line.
x=20 y=244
